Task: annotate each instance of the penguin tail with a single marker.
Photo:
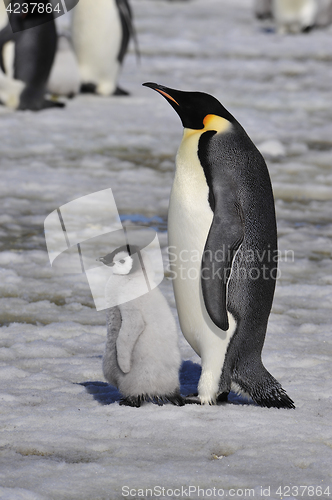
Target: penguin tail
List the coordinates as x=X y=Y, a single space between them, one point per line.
x=129 y=27
x=262 y=388
x=277 y=398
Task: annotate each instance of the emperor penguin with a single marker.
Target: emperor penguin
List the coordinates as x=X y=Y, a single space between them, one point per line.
x=64 y=79
x=324 y=13
x=263 y=9
x=222 y=250
x=142 y=357
x=10 y=89
x=294 y=16
x=100 y=33
x=30 y=61
x=3 y=15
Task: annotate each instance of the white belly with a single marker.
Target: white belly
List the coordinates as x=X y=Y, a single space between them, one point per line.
x=3 y=16
x=294 y=15
x=9 y=58
x=189 y=222
x=96 y=34
x=64 y=77
x=190 y=218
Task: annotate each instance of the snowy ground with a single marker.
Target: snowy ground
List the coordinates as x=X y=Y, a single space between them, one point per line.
x=64 y=440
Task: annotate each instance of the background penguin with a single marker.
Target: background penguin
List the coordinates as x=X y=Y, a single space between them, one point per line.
x=100 y=34
x=3 y=15
x=142 y=357
x=10 y=89
x=34 y=51
x=294 y=16
x=263 y=9
x=324 y=13
x=64 y=79
x=222 y=210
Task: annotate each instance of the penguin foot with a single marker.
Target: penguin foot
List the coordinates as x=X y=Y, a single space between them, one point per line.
x=45 y=104
x=195 y=399
x=53 y=104
x=192 y=399
x=134 y=401
x=263 y=16
x=176 y=399
x=120 y=91
x=88 y=88
x=222 y=398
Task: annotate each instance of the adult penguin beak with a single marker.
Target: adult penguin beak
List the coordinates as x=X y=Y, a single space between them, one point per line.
x=188 y=105
x=164 y=91
x=172 y=96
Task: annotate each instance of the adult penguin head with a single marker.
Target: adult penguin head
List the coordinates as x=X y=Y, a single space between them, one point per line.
x=194 y=108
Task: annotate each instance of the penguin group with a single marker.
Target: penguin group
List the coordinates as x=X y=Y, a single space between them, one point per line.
x=38 y=65
x=221 y=208
x=295 y=16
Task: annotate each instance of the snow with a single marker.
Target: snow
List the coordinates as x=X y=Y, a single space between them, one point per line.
x=63 y=434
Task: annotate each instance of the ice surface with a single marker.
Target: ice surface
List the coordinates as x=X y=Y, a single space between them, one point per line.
x=63 y=434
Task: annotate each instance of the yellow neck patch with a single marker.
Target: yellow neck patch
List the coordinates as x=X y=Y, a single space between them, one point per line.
x=217 y=123
x=211 y=122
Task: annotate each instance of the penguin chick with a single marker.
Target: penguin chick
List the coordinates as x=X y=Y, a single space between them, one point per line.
x=142 y=357
x=222 y=243
x=121 y=261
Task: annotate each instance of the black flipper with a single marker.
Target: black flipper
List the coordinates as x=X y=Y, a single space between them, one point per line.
x=224 y=239
x=128 y=29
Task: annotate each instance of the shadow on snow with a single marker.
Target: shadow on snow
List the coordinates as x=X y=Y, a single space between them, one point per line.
x=190 y=372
